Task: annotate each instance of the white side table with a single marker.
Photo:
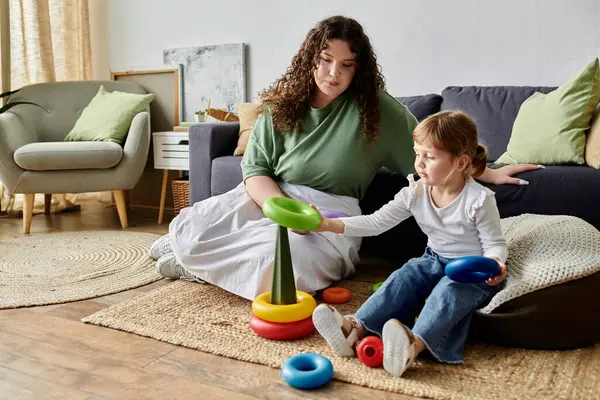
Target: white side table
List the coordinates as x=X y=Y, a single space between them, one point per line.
x=171 y=151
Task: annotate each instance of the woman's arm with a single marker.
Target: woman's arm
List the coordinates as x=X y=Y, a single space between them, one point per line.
x=259 y=157
x=504 y=174
x=261 y=187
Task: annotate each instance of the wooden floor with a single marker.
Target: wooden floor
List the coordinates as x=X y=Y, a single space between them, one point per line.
x=47 y=353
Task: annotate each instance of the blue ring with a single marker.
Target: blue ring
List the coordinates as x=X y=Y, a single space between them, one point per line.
x=472 y=269
x=307 y=371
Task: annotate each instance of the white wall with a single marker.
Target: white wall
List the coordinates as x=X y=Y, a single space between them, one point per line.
x=422 y=46
x=99 y=39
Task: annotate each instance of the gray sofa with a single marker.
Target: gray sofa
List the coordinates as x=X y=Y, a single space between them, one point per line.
x=555 y=190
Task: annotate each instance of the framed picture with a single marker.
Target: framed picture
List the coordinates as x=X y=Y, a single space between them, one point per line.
x=166 y=109
x=215 y=73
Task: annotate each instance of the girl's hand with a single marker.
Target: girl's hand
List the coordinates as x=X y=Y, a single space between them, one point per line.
x=324 y=221
x=504 y=175
x=500 y=277
x=314 y=230
x=329 y=224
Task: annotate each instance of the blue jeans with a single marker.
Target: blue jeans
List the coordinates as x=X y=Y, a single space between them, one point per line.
x=445 y=306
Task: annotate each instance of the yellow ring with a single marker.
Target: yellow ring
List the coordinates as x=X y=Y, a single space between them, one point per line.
x=263 y=309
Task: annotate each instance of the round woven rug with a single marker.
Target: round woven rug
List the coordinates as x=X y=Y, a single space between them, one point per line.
x=67 y=266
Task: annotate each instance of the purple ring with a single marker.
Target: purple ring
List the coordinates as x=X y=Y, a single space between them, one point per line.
x=333 y=214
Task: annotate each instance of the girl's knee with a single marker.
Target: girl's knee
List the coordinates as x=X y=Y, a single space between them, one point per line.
x=413 y=266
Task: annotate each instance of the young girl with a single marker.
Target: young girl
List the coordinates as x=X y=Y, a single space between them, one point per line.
x=460 y=218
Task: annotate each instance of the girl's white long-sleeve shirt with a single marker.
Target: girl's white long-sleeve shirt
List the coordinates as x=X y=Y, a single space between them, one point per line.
x=469 y=226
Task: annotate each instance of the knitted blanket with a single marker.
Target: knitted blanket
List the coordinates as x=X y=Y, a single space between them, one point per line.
x=544 y=251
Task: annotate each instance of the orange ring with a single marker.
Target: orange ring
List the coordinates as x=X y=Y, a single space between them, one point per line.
x=336 y=295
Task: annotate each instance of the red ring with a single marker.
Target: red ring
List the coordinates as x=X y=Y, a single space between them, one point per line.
x=282 y=330
x=370 y=351
x=336 y=295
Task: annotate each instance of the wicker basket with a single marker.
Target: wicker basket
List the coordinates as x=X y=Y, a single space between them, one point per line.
x=181 y=194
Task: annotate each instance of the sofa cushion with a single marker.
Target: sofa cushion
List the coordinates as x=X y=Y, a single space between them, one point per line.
x=108 y=116
x=494 y=108
x=550 y=128
x=422 y=106
x=46 y=156
x=554 y=190
x=247 y=114
x=592 y=144
x=226 y=174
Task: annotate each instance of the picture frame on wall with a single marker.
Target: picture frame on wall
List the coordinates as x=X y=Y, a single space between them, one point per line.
x=213 y=75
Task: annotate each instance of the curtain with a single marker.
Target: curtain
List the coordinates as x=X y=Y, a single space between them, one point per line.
x=49 y=41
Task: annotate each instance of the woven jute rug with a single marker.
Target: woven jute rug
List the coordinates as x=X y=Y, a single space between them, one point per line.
x=207 y=318
x=67 y=266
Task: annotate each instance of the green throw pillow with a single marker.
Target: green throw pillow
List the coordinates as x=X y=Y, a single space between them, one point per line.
x=550 y=128
x=108 y=116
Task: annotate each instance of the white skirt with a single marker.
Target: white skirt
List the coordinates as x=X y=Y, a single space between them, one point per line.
x=227 y=241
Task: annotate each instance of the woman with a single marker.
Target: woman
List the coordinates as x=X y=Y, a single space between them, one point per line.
x=326 y=126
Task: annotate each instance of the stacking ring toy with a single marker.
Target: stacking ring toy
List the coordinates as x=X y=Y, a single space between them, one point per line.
x=333 y=214
x=370 y=351
x=307 y=371
x=376 y=286
x=291 y=213
x=279 y=331
x=472 y=269
x=336 y=295
x=263 y=309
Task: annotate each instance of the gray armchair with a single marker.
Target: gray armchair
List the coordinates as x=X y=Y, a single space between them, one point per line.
x=35 y=159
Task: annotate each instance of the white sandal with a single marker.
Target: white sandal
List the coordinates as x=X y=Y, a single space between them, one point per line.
x=399 y=349
x=329 y=323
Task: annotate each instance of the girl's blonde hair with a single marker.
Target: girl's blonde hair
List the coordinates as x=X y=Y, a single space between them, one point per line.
x=456 y=133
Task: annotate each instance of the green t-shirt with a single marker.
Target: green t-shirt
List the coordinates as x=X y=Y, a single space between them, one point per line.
x=330 y=155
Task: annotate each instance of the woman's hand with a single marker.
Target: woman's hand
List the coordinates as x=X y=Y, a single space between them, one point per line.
x=503 y=175
x=500 y=277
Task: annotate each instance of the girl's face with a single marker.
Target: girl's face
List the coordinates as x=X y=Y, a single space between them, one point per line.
x=335 y=71
x=436 y=167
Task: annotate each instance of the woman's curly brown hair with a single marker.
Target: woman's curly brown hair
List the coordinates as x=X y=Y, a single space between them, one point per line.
x=288 y=98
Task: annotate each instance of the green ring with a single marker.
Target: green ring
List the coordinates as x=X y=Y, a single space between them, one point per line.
x=291 y=213
x=376 y=286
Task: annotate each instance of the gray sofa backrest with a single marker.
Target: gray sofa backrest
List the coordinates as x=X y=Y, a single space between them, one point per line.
x=63 y=103
x=422 y=106
x=494 y=108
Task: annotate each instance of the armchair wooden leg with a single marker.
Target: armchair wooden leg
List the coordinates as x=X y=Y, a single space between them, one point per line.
x=119 y=196
x=47 y=203
x=27 y=211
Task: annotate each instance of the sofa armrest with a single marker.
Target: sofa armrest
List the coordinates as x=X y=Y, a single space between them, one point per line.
x=207 y=142
x=13 y=134
x=135 y=152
